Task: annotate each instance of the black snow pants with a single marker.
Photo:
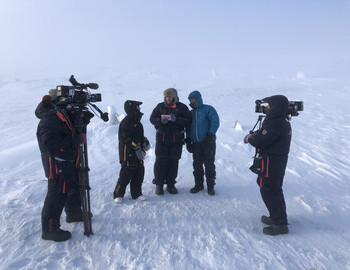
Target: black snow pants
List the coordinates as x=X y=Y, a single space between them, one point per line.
x=167 y=163
x=63 y=191
x=133 y=175
x=204 y=154
x=272 y=195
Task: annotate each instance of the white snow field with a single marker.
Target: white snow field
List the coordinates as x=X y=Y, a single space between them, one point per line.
x=184 y=231
x=233 y=52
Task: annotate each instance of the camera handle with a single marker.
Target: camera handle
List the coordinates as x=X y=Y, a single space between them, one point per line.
x=103 y=116
x=260 y=118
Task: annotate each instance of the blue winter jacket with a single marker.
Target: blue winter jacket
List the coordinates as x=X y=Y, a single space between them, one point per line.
x=204 y=119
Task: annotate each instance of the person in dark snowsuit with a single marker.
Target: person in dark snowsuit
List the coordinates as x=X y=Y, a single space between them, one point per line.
x=170 y=118
x=59 y=153
x=201 y=142
x=272 y=143
x=132 y=148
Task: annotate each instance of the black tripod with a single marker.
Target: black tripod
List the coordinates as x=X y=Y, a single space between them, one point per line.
x=83 y=170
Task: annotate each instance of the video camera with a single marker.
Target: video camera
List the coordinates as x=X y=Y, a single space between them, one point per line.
x=76 y=98
x=77 y=93
x=293 y=108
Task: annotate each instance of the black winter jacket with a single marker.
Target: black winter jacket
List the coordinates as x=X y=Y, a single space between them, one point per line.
x=130 y=133
x=171 y=132
x=55 y=139
x=272 y=140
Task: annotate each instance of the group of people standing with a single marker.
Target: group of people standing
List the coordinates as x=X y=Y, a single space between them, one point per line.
x=175 y=126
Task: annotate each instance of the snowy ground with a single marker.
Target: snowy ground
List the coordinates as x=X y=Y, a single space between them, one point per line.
x=185 y=231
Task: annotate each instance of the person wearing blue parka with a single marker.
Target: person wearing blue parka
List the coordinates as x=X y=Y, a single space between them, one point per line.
x=272 y=143
x=201 y=142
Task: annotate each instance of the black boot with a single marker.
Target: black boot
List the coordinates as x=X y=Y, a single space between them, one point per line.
x=276 y=229
x=117 y=191
x=74 y=216
x=172 y=189
x=211 y=190
x=57 y=236
x=197 y=188
x=159 y=190
x=266 y=220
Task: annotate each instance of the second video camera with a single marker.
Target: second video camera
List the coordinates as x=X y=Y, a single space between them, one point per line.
x=293 y=109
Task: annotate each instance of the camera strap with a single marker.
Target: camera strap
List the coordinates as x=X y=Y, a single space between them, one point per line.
x=65 y=119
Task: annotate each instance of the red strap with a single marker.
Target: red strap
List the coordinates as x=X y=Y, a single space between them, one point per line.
x=83 y=135
x=64 y=119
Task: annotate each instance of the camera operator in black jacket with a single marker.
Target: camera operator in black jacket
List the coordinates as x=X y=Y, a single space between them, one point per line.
x=272 y=143
x=170 y=118
x=59 y=153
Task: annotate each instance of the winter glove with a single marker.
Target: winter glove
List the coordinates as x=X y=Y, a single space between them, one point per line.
x=209 y=139
x=87 y=115
x=189 y=145
x=164 y=121
x=245 y=140
x=146 y=144
x=172 y=118
x=139 y=152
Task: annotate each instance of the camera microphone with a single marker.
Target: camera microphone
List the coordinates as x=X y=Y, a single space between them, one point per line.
x=92 y=85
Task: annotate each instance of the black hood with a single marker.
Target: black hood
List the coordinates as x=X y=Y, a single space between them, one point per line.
x=44 y=110
x=130 y=108
x=279 y=105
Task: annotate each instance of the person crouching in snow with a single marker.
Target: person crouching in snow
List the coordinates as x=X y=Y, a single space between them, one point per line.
x=132 y=150
x=272 y=143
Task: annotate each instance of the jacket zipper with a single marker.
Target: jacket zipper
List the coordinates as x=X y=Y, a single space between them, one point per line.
x=197 y=125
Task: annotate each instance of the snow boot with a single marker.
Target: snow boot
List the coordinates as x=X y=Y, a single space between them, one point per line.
x=172 y=189
x=197 y=188
x=57 y=236
x=211 y=190
x=118 y=199
x=141 y=198
x=276 y=229
x=159 y=190
x=266 y=220
x=74 y=217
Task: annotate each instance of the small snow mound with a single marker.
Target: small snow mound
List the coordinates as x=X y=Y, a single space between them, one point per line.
x=114 y=117
x=238 y=126
x=300 y=76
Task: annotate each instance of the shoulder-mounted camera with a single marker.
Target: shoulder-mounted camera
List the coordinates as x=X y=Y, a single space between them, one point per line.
x=293 y=109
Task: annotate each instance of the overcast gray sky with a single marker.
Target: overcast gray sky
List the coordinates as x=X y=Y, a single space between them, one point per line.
x=84 y=34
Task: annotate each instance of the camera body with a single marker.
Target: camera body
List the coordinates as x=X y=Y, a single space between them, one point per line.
x=69 y=94
x=260 y=108
x=293 y=108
